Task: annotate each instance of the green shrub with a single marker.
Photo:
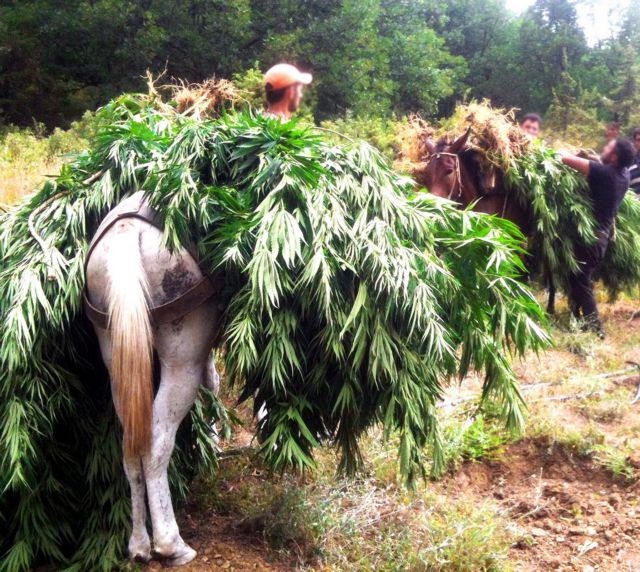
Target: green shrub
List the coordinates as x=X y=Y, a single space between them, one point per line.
x=29 y=155
x=476 y=438
x=378 y=131
x=251 y=85
x=615 y=460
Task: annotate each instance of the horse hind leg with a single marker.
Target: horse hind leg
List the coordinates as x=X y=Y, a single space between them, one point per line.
x=115 y=281
x=212 y=377
x=212 y=383
x=139 y=542
x=139 y=546
x=178 y=389
x=184 y=359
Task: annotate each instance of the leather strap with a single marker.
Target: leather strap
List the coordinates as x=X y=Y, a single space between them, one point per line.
x=173 y=310
x=96 y=317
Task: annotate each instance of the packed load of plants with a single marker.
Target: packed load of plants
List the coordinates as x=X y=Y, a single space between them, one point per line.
x=494 y=132
x=557 y=196
x=350 y=301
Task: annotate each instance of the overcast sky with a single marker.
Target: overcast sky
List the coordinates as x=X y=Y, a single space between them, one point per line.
x=598 y=18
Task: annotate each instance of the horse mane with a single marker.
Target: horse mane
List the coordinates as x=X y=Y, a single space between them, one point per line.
x=465 y=155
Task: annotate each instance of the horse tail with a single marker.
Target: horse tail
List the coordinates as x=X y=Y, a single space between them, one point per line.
x=132 y=342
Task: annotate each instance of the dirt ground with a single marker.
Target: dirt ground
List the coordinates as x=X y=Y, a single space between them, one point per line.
x=221 y=538
x=574 y=515
x=571 y=512
x=577 y=517
x=221 y=547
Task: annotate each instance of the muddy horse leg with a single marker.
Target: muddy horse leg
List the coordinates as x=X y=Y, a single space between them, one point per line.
x=183 y=349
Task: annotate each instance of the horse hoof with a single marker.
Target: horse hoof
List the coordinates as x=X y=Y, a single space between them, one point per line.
x=178 y=558
x=141 y=558
x=185 y=556
x=140 y=550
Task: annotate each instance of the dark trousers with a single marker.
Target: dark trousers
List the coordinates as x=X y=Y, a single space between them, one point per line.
x=582 y=298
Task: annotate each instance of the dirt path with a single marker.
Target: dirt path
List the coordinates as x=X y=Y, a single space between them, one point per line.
x=570 y=513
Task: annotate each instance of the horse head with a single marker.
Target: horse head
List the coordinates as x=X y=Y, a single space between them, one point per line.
x=443 y=174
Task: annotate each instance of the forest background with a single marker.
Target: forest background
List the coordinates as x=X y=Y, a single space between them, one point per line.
x=374 y=61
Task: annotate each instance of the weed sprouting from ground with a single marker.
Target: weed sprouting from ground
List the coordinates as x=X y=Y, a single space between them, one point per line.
x=464 y=537
x=615 y=460
x=592 y=443
x=476 y=438
x=427 y=533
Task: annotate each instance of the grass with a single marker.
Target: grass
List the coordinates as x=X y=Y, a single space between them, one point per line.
x=364 y=524
x=28 y=156
x=615 y=460
x=589 y=441
x=608 y=408
x=372 y=522
x=480 y=437
x=603 y=425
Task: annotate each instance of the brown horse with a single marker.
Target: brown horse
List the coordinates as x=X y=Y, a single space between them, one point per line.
x=454 y=172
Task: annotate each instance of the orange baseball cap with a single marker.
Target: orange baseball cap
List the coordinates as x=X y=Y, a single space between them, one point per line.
x=284 y=75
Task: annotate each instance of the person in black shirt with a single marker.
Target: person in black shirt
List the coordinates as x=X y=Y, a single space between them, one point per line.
x=608 y=183
x=634 y=170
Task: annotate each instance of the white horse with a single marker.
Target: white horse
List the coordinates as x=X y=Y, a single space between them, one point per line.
x=129 y=274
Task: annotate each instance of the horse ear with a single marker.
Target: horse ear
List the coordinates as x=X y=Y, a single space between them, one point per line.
x=431 y=146
x=460 y=142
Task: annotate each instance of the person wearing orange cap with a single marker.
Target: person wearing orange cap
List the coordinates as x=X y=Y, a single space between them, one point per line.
x=284 y=84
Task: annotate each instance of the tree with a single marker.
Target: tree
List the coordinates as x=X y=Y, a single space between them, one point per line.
x=572 y=116
x=550 y=43
x=369 y=56
x=58 y=59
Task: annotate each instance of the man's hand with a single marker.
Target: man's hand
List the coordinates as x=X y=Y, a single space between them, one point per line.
x=578 y=163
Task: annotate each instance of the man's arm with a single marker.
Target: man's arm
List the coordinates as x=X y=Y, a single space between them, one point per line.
x=578 y=163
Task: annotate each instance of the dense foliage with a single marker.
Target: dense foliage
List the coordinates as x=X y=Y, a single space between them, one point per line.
x=370 y=57
x=351 y=302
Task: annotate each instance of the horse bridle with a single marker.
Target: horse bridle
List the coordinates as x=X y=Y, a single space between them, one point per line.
x=458 y=178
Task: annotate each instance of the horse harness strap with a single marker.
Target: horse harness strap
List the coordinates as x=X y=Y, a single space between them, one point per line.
x=173 y=310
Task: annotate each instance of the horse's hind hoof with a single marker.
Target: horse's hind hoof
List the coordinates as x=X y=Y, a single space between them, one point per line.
x=141 y=558
x=178 y=558
x=140 y=549
x=186 y=556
